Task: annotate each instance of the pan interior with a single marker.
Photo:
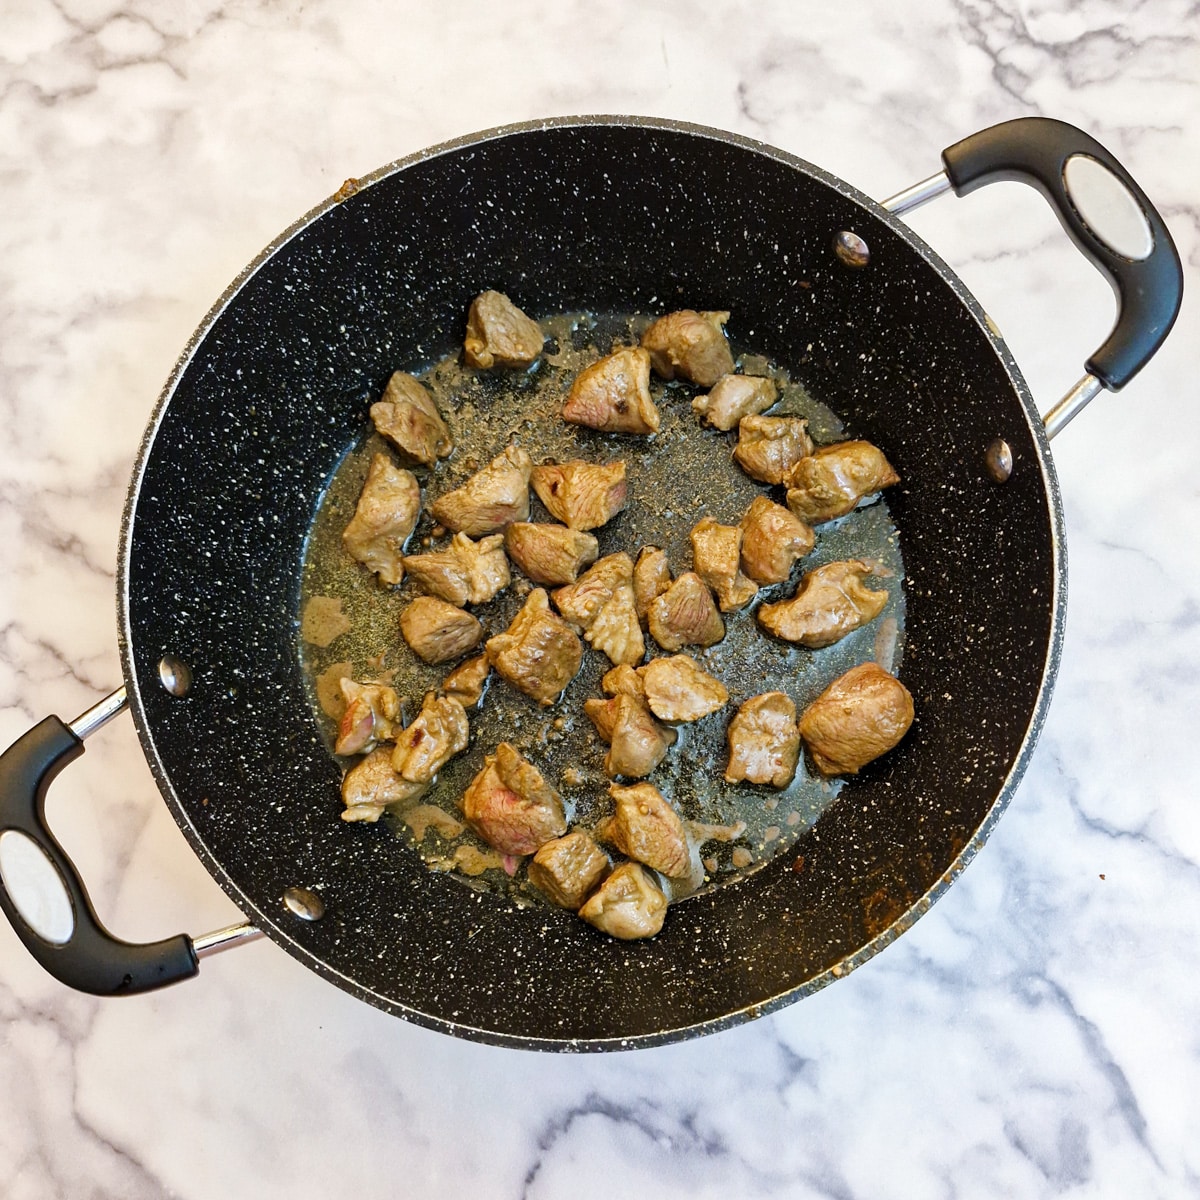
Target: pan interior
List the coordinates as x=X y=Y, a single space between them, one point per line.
x=677 y=477
x=598 y=216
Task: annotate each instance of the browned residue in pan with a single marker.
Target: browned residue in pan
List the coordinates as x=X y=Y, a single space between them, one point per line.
x=883 y=907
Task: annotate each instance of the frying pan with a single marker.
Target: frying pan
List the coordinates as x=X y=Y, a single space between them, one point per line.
x=586 y=214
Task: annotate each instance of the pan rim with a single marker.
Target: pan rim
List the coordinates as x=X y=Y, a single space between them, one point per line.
x=271 y=924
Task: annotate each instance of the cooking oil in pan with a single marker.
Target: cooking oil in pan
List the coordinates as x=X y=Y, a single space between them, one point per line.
x=683 y=473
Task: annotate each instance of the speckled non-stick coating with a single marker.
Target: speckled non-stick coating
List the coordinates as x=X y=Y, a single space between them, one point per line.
x=605 y=215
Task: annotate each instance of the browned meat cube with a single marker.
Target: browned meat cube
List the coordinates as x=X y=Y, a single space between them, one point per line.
x=384 y=519
x=716 y=555
x=551 y=554
x=603 y=714
x=769 y=448
x=438 y=732
x=601 y=604
x=465 y=572
x=582 y=495
x=491 y=498
x=371 y=716
x=637 y=742
x=566 y=869
x=772 y=540
x=467 y=681
x=582 y=601
x=511 y=806
x=829 y=482
x=690 y=345
x=616 y=630
x=859 y=716
x=499 y=334
x=437 y=631
x=539 y=653
x=679 y=689
x=764 y=743
x=372 y=785
x=623 y=680
x=734 y=397
x=409 y=419
x=613 y=394
x=651 y=577
x=685 y=615
x=627 y=905
x=646 y=827
x=830 y=602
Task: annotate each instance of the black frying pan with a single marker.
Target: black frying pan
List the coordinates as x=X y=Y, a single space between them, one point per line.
x=600 y=215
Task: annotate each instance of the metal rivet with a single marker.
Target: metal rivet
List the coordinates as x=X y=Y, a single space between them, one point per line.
x=999 y=460
x=303 y=903
x=851 y=249
x=175 y=675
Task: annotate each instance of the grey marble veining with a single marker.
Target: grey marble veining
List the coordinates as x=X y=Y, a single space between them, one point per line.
x=1033 y=1035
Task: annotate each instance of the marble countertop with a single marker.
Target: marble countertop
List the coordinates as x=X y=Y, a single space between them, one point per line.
x=1034 y=1035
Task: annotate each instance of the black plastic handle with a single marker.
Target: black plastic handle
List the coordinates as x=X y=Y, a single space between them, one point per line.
x=1035 y=150
x=91 y=960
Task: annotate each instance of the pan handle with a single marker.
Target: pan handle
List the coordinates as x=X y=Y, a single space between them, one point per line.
x=63 y=932
x=1148 y=280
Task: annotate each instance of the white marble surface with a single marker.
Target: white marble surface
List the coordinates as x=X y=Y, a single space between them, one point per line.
x=1035 y=1035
